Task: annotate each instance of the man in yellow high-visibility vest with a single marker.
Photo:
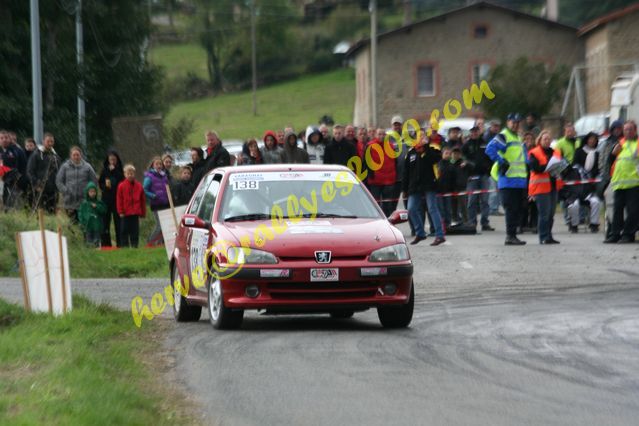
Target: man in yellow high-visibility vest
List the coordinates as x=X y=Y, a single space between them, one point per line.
x=625 y=184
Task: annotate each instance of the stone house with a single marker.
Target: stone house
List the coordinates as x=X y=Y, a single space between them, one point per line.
x=422 y=65
x=611 y=44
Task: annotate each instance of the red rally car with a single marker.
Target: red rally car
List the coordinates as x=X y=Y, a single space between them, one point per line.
x=289 y=239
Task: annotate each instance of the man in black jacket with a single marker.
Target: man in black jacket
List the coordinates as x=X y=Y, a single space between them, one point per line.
x=349 y=135
x=216 y=154
x=479 y=165
x=419 y=181
x=339 y=151
x=42 y=170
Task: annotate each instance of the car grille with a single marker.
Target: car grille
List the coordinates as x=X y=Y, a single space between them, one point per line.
x=333 y=290
x=334 y=258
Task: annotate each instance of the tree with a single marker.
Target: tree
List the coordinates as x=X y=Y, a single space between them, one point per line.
x=117 y=79
x=524 y=87
x=225 y=36
x=215 y=16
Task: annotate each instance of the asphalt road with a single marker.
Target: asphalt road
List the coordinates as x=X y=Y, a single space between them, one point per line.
x=501 y=335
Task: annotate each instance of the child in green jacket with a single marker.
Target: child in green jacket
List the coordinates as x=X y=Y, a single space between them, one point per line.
x=91 y=215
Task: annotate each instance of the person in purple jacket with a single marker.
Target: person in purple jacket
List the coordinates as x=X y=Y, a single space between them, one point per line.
x=155 y=182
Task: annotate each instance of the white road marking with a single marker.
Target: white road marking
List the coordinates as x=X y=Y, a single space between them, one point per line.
x=466 y=265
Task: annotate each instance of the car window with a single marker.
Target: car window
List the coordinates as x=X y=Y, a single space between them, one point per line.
x=208 y=200
x=197 y=200
x=253 y=195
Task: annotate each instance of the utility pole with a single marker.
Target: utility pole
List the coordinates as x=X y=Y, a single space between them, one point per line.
x=373 y=11
x=253 y=58
x=36 y=72
x=79 y=46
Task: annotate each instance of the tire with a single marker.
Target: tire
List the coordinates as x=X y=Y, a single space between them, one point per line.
x=221 y=317
x=182 y=311
x=398 y=316
x=342 y=314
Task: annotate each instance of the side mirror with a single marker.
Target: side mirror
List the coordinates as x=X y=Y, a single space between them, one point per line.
x=398 y=216
x=192 y=221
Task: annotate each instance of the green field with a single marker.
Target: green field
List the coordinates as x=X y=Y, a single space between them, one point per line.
x=298 y=103
x=178 y=59
x=90 y=366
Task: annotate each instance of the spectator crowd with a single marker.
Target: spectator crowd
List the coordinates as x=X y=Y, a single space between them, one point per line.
x=456 y=181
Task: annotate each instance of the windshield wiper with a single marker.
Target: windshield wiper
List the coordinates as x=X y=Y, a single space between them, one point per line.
x=247 y=217
x=340 y=216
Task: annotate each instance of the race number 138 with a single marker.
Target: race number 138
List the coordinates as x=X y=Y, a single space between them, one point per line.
x=242 y=185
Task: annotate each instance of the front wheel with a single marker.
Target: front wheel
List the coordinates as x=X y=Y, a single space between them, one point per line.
x=221 y=317
x=398 y=316
x=182 y=311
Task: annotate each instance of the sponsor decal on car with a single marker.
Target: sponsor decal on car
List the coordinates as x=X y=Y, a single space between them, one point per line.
x=324 y=274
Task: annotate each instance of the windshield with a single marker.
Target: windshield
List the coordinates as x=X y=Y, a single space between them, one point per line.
x=252 y=196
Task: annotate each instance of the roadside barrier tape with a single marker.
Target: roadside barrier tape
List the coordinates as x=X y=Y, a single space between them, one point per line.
x=582 y=182
x=486 y=191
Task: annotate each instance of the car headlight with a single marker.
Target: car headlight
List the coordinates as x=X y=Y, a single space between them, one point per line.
x=390 y=254
x=242 y=255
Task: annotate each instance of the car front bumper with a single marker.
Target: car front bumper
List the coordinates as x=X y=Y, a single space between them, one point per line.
x=356 y=288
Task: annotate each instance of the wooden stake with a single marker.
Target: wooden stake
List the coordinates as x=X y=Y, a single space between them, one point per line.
x=46 y=259
x=64 y=285
x=175 y=222
x=23 y=273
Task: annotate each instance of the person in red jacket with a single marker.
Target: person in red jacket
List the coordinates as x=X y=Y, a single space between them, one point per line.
x=131 y=206
x=380 y=182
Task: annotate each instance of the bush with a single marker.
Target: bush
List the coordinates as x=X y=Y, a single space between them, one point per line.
x=177 y=134
x=323 y=61
x=188 y=87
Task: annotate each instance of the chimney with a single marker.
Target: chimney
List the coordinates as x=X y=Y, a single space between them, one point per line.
x=552 y=10
x=408 y=12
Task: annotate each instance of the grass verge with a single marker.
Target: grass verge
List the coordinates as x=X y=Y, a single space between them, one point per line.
x=122 y=263
x=84 y=262
x=91 y=366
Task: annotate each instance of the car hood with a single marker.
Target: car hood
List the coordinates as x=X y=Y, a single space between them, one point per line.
x=345 y=238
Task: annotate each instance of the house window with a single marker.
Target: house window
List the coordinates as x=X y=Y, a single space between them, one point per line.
x=425 y=80
x=480 y=72
x=480 y=31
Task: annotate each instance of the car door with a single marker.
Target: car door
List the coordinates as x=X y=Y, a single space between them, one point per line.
x=200 y=238
x=183 y=239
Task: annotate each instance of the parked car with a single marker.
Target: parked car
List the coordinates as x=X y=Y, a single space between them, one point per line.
x=336 y=255
x=465 y=124
x=598 y=123
x=181 y=158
